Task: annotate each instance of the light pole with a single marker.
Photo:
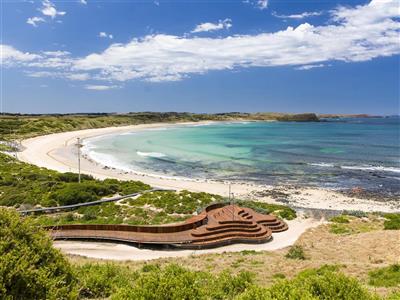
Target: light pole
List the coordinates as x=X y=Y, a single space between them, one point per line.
x=79 y=145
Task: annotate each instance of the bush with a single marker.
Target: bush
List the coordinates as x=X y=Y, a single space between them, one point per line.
x=392 y=222
x=386 y=277
x=340 y=219
x=101 y=280
x=339 y=229
x=175 y=282
x=73 y=194
x=296 y=252
x=323 y=283
x=30 y=268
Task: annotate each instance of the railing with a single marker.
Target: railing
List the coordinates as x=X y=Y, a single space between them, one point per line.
x=97 y=202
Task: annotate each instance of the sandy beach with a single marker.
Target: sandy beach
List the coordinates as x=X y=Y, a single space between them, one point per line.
x=59 y=152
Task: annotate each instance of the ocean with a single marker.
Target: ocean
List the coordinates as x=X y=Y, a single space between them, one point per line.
x=335 y=153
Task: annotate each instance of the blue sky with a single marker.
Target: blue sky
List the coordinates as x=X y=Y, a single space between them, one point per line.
x=200 y=56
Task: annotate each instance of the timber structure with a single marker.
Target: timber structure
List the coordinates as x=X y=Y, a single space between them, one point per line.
x=218 y=225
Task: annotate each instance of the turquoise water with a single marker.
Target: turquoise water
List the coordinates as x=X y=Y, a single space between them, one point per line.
x=338 y=153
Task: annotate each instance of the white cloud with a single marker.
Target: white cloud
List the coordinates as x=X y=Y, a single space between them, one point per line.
x=259 y=4
x=9 y=55
x=103 y=34
x=56 y=53
x=309 y=67
x=353 y=34
x=262 y=4
x=298 y=16
x=100 y=87
x=78 y=76
x=49 y=9
x=83 y=2
x=222 y=24
x=34 y=20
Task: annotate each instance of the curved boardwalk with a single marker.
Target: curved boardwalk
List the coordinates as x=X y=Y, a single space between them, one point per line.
x=217 y=225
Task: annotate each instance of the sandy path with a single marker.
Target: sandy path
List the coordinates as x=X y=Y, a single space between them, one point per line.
x=58 y=152
x=125 y=252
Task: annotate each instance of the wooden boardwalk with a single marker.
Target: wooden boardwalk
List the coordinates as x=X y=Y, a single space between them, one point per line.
x=217 y=225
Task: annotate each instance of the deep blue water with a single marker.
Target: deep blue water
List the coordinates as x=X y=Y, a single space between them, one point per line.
x=340 y=153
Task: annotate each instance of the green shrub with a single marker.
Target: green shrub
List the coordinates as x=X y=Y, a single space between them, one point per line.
x=324 y=283
x=392 y=222
x=296 y=252
x=386 y=277
x=101 y=280
x=30 y=268
x=340 y=219
x=339 y=229
x=175 y=282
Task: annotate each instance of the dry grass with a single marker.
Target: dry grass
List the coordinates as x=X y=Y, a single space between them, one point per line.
x=355 y=254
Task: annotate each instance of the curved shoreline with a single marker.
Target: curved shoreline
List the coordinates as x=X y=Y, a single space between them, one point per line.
x=58 y=152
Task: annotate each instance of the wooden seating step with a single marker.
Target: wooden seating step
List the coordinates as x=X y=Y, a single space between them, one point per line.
x=262 y=232
x=230 y=229
x=216 y=227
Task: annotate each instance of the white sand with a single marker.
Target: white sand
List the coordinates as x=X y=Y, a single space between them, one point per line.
x=58 y=152
x=125 y=252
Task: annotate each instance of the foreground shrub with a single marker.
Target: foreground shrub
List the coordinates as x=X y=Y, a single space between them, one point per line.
x=175 y=282
x=30 y=268
x=101 y=280
x=296 y=252
x=392 y=222
x=323 y=283
x=386 y=277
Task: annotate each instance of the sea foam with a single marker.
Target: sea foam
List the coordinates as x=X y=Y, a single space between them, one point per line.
x=151 y=154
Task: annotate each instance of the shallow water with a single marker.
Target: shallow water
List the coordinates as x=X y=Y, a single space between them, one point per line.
x=336 y=154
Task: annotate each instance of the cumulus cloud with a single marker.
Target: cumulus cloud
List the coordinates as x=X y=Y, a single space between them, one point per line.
x=353 y=34
x=34 y=20
x=100 y=87
x=103 y=34
x=83 y=2
x=11 y=56
x=298 y=16
x=49 y=9
x=204 y=27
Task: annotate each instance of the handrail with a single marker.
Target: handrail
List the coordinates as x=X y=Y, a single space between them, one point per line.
x=96 y=202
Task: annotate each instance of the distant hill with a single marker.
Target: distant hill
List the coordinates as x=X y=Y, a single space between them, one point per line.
x=336 y=116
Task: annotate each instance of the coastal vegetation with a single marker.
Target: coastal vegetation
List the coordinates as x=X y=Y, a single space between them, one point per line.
x=296 y=252
x=14 y=127
x=25 y=185
x=345 y=224
x=387 y=276
x=392 y=221
x=42 y=272
x=152 y=209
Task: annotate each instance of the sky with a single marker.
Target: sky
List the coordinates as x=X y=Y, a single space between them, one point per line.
x=323 y=56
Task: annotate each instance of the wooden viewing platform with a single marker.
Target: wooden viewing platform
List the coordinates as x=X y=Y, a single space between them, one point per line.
x=219 y=224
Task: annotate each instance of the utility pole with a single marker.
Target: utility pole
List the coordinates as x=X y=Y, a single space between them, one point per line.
x=233 y=206
x=79 y=145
